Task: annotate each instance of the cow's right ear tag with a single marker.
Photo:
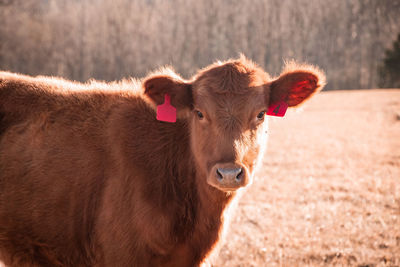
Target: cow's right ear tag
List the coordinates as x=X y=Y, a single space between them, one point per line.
x=166 y=112
x=277 y=109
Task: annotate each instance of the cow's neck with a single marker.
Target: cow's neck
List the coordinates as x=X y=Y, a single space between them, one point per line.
x=211 y=214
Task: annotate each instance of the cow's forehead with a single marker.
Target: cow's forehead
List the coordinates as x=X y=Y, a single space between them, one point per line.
x=224 y=107
x=234 y=77
x=235 y=88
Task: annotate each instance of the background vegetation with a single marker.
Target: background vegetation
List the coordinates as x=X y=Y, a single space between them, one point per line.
x=107 y=40
x=389 y=71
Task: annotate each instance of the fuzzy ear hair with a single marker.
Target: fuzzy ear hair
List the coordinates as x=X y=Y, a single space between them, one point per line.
x=180 y=92
x=296 y=84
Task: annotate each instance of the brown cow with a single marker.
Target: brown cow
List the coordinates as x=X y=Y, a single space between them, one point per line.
x=89 y=177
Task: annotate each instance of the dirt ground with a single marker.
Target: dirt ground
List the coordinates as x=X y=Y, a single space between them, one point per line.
x=328 y=192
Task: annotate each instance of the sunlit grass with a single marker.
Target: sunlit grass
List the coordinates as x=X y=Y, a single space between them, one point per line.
x=328 y=193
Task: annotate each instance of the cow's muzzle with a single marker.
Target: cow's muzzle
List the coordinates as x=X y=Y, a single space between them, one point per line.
x=228 y=176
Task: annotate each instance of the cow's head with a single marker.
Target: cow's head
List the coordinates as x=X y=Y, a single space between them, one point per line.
x=225 y=106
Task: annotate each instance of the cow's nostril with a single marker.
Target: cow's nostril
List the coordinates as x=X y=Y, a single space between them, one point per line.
x=229 y=174
x=219 y=175
x=240 y=175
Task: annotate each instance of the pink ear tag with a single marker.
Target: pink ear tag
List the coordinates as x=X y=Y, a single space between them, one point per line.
x=166 y=112
x=277 y=109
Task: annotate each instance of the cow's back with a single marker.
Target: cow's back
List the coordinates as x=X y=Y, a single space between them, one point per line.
x=52 y=160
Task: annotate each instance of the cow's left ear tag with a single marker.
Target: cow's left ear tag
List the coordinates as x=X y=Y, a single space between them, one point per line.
x=277 y=109
x=166 y=112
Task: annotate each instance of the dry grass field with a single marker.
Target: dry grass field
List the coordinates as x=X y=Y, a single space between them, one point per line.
x=328 y=193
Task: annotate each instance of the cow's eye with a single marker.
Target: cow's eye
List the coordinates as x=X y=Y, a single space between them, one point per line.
x=199 y=114
x=260 y=115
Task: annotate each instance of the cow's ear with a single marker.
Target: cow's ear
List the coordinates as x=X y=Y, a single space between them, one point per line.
x=180 y=91
x=296 y=84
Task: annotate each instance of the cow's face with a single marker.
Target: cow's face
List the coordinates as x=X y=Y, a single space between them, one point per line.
x=225 y=106
x=228 y=123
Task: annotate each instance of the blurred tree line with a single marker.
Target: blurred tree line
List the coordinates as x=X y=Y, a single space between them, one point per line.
x=389 y=70
x=111 y=39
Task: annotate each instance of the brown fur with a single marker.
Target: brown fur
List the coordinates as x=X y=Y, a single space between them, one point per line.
x=89 y=177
